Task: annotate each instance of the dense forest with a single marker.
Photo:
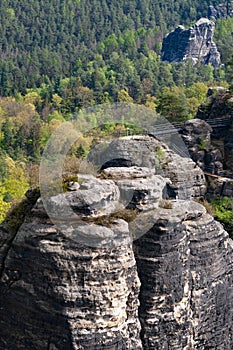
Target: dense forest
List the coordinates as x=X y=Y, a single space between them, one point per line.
x=99 y=41
x=60 y=56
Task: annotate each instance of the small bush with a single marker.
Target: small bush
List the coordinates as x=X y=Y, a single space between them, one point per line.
x=107 y=220
x=160 y=154
x=223 y=208
x=202 y=144
x=163 y=203
x=209 y=207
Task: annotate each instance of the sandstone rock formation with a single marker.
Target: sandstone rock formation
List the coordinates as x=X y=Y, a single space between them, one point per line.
x=218 y=105
x=187 y=180
x=219 y=187
x=58 y=294
x=209 y=141
x=77 y=285
x=195 y=43
x=218 y=112
x=197 y=135
x=184 y=265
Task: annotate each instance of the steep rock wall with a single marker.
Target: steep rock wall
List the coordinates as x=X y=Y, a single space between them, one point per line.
x=218 y=109
x=185 y=267
x=195 y=43
x=56 y=292
x=59 y=294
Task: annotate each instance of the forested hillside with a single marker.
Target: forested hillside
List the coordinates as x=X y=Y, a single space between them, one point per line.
x=43 y=40
x=60 y=56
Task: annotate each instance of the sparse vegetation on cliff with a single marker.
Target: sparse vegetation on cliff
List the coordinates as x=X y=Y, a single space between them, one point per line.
x=107 y=220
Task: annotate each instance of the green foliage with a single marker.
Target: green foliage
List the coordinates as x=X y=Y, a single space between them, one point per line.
x=108 y=220
x=4 y=208
x=223 y=38
x=108 y=131
x=48 y=41
x=224 y=212
x=172 y=105
x=55 y=115
x=3 y=165
x=80 y=151
x=197 y=90
x=123 y=96
x=20 y=129
x=202 y=144
x=160 y=154
x=13 y=185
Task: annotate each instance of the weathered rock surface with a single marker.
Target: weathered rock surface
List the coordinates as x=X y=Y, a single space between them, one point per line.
x=219 y=186
x=187 y=180
x=59 y=292
x=195 y=43
x=197 y=136
x=218 y=105
x=218 y=110
x=185 y=268
x=94 y=196
x=139 y=187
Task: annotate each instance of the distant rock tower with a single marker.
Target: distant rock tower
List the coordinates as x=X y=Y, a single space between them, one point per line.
x=223 y=10
x=195 y=43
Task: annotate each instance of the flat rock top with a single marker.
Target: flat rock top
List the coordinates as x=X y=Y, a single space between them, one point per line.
x=204 y=21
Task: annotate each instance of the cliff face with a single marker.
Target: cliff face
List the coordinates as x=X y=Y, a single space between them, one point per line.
x=78 y=285
x=195 y=43
x=185 y=268
x=58 y=294
x=197 y=135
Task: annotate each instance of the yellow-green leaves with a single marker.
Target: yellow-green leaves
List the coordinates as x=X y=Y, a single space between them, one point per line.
x=12 y=187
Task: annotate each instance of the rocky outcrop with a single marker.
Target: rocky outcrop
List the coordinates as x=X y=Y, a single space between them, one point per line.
x=219 y=187
x=197 y=135
x=221 y=11
x=77 y=284
x=218 y=111
x=187 y=180
x=218 y=105
x=209 y=141
x=185 y=268
x=58 y=294
x=195 y=43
